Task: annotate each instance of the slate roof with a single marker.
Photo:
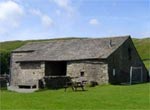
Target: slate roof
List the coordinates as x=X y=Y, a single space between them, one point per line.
x=72 y=49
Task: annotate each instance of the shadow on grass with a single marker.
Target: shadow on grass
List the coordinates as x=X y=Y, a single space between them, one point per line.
x=128 y=84
x=63 y=89
x=80 y=91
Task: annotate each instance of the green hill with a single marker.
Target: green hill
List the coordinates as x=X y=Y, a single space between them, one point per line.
x=142 y=46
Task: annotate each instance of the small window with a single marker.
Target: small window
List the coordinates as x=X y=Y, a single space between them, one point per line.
x=129 y=54
x=114 y=72
x=82 y=74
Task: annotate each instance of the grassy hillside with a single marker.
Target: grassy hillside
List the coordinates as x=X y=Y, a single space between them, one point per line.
x=9 y=46
x=106 y=97
x=142 y=46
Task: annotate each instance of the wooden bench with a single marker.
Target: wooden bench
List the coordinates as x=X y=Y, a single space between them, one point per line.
x=75 y=84
x=69 y=84
x=78 y=85
x=28 y=85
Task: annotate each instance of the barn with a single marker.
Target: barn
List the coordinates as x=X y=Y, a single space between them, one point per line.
x=112 y=60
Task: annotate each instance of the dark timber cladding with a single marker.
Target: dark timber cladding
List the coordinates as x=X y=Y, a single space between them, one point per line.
x=101 y=60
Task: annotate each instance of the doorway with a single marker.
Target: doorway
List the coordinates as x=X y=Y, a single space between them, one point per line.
x=57 y=68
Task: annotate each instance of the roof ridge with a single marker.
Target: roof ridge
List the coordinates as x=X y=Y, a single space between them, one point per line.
x=89 y=38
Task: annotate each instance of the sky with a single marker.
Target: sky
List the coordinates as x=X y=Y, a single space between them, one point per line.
x=47 y=19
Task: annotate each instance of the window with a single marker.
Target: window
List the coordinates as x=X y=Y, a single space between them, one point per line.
x=114 y=72
x=81 y=73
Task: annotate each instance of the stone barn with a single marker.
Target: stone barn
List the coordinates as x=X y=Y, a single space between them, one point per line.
x=101 y=60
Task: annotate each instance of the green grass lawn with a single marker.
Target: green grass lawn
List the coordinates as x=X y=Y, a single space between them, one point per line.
x=110 y=97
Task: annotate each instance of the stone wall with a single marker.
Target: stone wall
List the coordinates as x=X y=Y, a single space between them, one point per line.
x=96 y=71
x=15 y=67
x=121 y=61
x=31 y=72
x=22 y=73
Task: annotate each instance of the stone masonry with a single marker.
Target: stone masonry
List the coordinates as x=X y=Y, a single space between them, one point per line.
x=93 y=70
x=24 y=72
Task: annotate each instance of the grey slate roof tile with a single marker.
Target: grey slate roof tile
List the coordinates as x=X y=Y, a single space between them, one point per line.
x=73 y=49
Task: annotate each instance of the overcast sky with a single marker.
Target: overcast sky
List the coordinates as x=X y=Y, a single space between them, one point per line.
x=45 y=19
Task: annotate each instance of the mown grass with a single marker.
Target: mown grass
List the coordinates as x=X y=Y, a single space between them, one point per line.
x=108 y=97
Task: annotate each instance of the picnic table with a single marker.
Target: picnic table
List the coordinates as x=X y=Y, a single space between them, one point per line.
x=75 y=83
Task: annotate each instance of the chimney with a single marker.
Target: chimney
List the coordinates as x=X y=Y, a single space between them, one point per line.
x=110 y=43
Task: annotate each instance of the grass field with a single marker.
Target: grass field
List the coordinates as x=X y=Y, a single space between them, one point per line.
x=108 y=97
